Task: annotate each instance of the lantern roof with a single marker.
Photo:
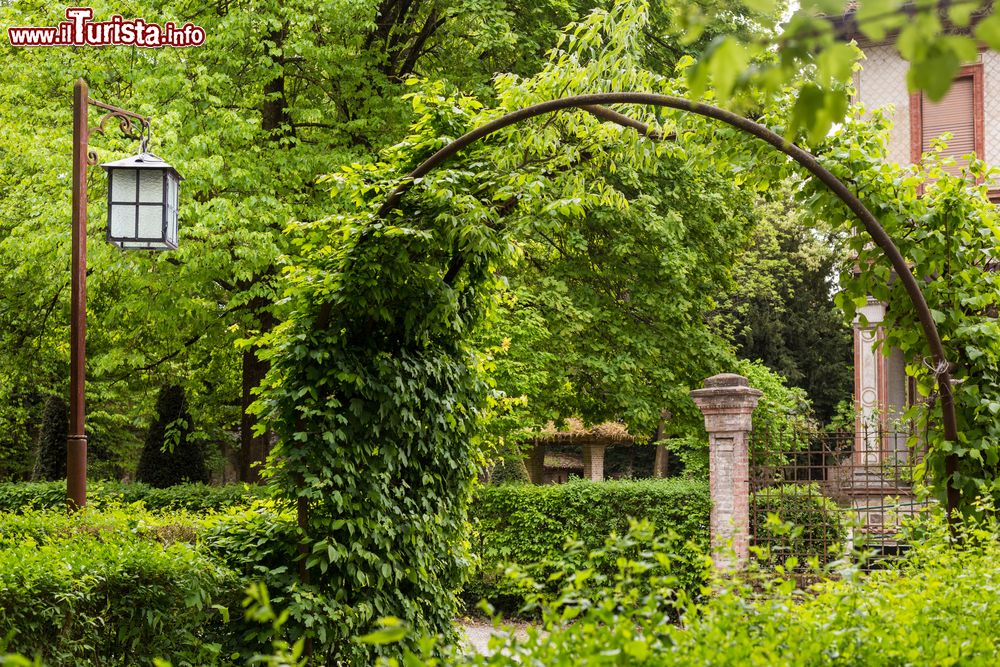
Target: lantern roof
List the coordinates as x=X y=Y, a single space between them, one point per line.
x=142 y=161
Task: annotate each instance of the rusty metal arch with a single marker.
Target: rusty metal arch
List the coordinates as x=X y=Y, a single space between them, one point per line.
x=592 y=103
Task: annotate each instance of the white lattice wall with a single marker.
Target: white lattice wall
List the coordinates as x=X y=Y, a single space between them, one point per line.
x=882 y=82
x=991 y=106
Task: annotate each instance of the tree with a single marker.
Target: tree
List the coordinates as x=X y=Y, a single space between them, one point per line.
x=50 y=459
x=609 y=319
x=279 y=94
x=782 y=311
x=376 y=391
x=169 y=457
x=741 y=70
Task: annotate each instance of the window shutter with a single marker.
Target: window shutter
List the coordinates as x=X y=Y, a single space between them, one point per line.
x=955 y=114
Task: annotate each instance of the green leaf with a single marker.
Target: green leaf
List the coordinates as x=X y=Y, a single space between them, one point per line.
x=393 y=630
x=935 y=72
x=727 y=63
x=988 y=31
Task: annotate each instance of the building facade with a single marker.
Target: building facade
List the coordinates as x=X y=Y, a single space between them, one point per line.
x=971 y=113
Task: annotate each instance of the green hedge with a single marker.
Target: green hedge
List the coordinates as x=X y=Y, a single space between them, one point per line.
x=14 y=496
x=112 y=588
x=809 y=525
x=530 y=525
x=936 y=607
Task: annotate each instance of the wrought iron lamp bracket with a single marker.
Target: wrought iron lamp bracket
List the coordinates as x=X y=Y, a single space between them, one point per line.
x=131 y=124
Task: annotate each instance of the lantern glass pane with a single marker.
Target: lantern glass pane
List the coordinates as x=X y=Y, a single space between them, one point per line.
x=172 y=230
x=150 y=222
x=123 y=185
x=171 y=209
x=122 y=220
x=151 y=186
x=172 y=191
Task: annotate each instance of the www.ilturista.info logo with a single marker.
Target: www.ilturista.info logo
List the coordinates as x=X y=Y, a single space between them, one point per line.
x=80 y=30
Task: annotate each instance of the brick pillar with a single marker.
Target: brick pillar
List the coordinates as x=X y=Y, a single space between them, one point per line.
x=535 y=463
x=727 y=401
x=593 y=463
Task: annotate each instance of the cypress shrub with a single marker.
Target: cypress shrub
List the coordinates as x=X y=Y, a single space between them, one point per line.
x=510 y=471
x=50 y=461
x=168 y=457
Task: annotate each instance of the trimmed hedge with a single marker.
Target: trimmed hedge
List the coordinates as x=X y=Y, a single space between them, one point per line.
x=530 y=525
x=936 y=607
x=15 y=496
x=115 y=588
x=809 y=524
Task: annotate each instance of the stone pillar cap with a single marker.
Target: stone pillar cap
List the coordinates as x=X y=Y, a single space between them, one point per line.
x=726 y=380
x=726 y=387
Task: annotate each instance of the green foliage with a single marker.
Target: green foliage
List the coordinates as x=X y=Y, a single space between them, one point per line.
x=915 y=614
x=280 y=93
x=739 y=70
x=510 y=471
x=260 y=544
x=797 y=520
x=375 y=391
x=874 y=620
x=50 y=459
x=606 y=318
x=781 y=311
x=119 y=588
x=284 y=653
x=530 y=526
x=779 y=418
x=191 y=497
x=169 y=457
x=781 y=408
x=946 y=227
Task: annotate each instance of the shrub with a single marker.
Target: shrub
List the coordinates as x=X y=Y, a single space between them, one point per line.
x=50 y=460
x=797 y=520
x=523 y=524
x=168 y=456
x=99 y=589
x=510 y=471
x=936 y=608
x=259 y=543
x=199 y=497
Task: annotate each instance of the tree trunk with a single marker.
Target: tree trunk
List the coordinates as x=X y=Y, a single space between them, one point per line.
x=254 y=449
x=661 y=464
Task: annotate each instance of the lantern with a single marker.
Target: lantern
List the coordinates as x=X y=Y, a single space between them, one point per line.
x=142 y=203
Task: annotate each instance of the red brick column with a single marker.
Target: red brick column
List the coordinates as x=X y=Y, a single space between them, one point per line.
x=727 y=401
x=593 y=463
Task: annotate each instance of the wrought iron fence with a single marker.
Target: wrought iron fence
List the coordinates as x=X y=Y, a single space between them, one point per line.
x=822 y=496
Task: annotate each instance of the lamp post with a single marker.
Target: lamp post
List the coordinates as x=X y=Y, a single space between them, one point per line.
x=142 y=213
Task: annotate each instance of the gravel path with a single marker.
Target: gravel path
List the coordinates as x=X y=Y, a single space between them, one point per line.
x=478 y=632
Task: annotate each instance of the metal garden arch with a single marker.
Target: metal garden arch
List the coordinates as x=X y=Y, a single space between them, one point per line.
x=593 y=103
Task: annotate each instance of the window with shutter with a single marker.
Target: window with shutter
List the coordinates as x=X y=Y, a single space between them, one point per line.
x=959 y=113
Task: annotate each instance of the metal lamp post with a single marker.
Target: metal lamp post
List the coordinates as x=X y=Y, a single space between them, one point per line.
x=142 y=213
